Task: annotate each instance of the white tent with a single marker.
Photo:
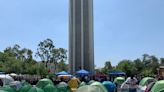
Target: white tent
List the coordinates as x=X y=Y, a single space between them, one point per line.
x=6 y=79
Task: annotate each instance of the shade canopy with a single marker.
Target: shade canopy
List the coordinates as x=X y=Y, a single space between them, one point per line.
x=117 y=73
x=62 y=73
x=82 y=72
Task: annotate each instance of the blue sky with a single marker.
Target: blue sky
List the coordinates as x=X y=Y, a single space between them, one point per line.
x=123 y=29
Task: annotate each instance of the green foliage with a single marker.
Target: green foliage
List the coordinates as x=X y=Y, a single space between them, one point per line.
x=146 y=66
x=20 y=60
x=127 y=66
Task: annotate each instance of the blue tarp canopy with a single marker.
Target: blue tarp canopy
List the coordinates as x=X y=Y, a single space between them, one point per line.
x=117 y=73
x=82 y=72
x=62 y=73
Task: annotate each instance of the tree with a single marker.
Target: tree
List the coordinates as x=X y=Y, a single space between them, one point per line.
x=162 y=61
x=127 y=66
x=13 y=51
x=44 y=50
x=49 y=54
x=139 y=65
x=107 y=67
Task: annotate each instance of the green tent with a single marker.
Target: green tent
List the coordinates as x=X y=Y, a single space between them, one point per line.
x=63 y=87
x=50 y=88
x=91 y=81
x=162 y=90
x=43 y=82
x=8 y=89
x=100 y=86
x=35 y=89
x=25 y=88
x=145 y=81
x=82 y=84
x=23 y=82
x=2 y=91
x=158 y=86
x=119 y=80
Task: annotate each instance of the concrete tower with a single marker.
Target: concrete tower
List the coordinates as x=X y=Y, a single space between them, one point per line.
x=81 y=42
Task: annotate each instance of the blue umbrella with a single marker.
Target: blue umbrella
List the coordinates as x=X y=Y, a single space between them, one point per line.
x=109 y=86
x=62 y=73
x=82 y=72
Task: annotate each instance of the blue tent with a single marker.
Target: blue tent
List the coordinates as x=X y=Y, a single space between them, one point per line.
x=82 y=72
x=62 y=73
x=117 y=73
x=109 y=86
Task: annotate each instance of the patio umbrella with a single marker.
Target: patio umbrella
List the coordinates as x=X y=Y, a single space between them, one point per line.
x=43 y=82
x=109 y=86
x=35 y=89
x=8 y=89
x=65 y=76
x=119 y=80
x=144 y=81
x=158 y=86
x=25 y=88
x=82 y=72
x=50 y=88
x=62 y=73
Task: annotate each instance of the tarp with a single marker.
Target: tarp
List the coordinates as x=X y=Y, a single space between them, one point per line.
x=43 y=82
x=35 y=89
x=117 y=73
x=82 y=72
x=144 y=81
x=62 y=73
x=8 y=89
x=158 y=86
x=50 y=88
x=109 y=86
x=25 y=88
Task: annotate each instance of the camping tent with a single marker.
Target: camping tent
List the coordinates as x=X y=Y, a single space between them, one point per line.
x=43 y=82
